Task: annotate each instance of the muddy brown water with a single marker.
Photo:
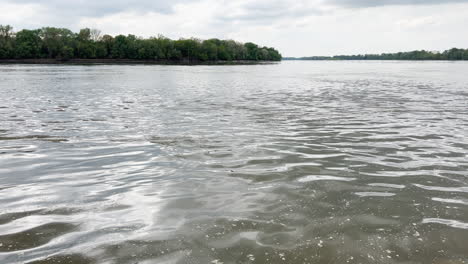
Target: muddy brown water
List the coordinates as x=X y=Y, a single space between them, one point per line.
x=298 y=162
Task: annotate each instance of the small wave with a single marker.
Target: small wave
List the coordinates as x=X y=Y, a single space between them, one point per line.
x=34 y=237
x=312 y=178
x=73 y=258
x=34 y=137
x=442 y=189
x=451 y=201
x=375 y=194
x=387 y=185
x=447 y=222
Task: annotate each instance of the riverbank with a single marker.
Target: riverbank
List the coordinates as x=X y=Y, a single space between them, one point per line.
x=128 y=61
x=420 y=55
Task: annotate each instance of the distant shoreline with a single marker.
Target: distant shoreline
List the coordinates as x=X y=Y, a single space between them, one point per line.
x=341 y=60
x=129 y=61
x=298 y=59
x=453 y=54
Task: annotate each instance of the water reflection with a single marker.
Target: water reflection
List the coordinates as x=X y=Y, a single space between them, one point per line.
x=323 y=162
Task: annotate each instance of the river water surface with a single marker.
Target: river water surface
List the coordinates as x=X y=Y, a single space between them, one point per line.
x=298 y=162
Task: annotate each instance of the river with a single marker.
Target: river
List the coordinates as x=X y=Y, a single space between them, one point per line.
x=297 y=162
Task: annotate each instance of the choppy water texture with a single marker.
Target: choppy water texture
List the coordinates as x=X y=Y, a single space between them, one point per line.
x=300 y=162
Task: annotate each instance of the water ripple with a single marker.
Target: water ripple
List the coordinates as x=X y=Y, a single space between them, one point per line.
x=447 y=222
x=299 y=162
x=311 y=178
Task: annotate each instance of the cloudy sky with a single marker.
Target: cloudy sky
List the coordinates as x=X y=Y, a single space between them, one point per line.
x=295 y=27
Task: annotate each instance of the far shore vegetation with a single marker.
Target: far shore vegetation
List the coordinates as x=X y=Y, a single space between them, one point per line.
x=51 y=43
x=451 y=54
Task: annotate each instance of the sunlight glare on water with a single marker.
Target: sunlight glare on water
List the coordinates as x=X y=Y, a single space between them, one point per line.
x=298 y=162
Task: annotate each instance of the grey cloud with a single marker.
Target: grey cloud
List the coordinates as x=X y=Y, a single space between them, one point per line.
x=65 y=12
x=376 y=3
x=267 y=11
x=256 y=10
x=102 y=7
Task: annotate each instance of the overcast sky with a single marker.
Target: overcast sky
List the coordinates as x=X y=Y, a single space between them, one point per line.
x=295 y=27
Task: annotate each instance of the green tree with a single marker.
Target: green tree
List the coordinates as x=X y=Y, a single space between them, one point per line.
x=252 y=51
x=210 y=48
x=119 y=47
x=55 y=39
x=223 y=53
x=6 y=42
x=28 y=44
x=66 y=53
x=61 y=43
x=84 y=46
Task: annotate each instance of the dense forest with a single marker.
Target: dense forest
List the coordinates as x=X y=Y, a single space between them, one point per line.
x=63 y=44
x=452 y=54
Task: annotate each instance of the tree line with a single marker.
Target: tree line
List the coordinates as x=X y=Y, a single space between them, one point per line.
x=451 y=54
x=62 y=43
